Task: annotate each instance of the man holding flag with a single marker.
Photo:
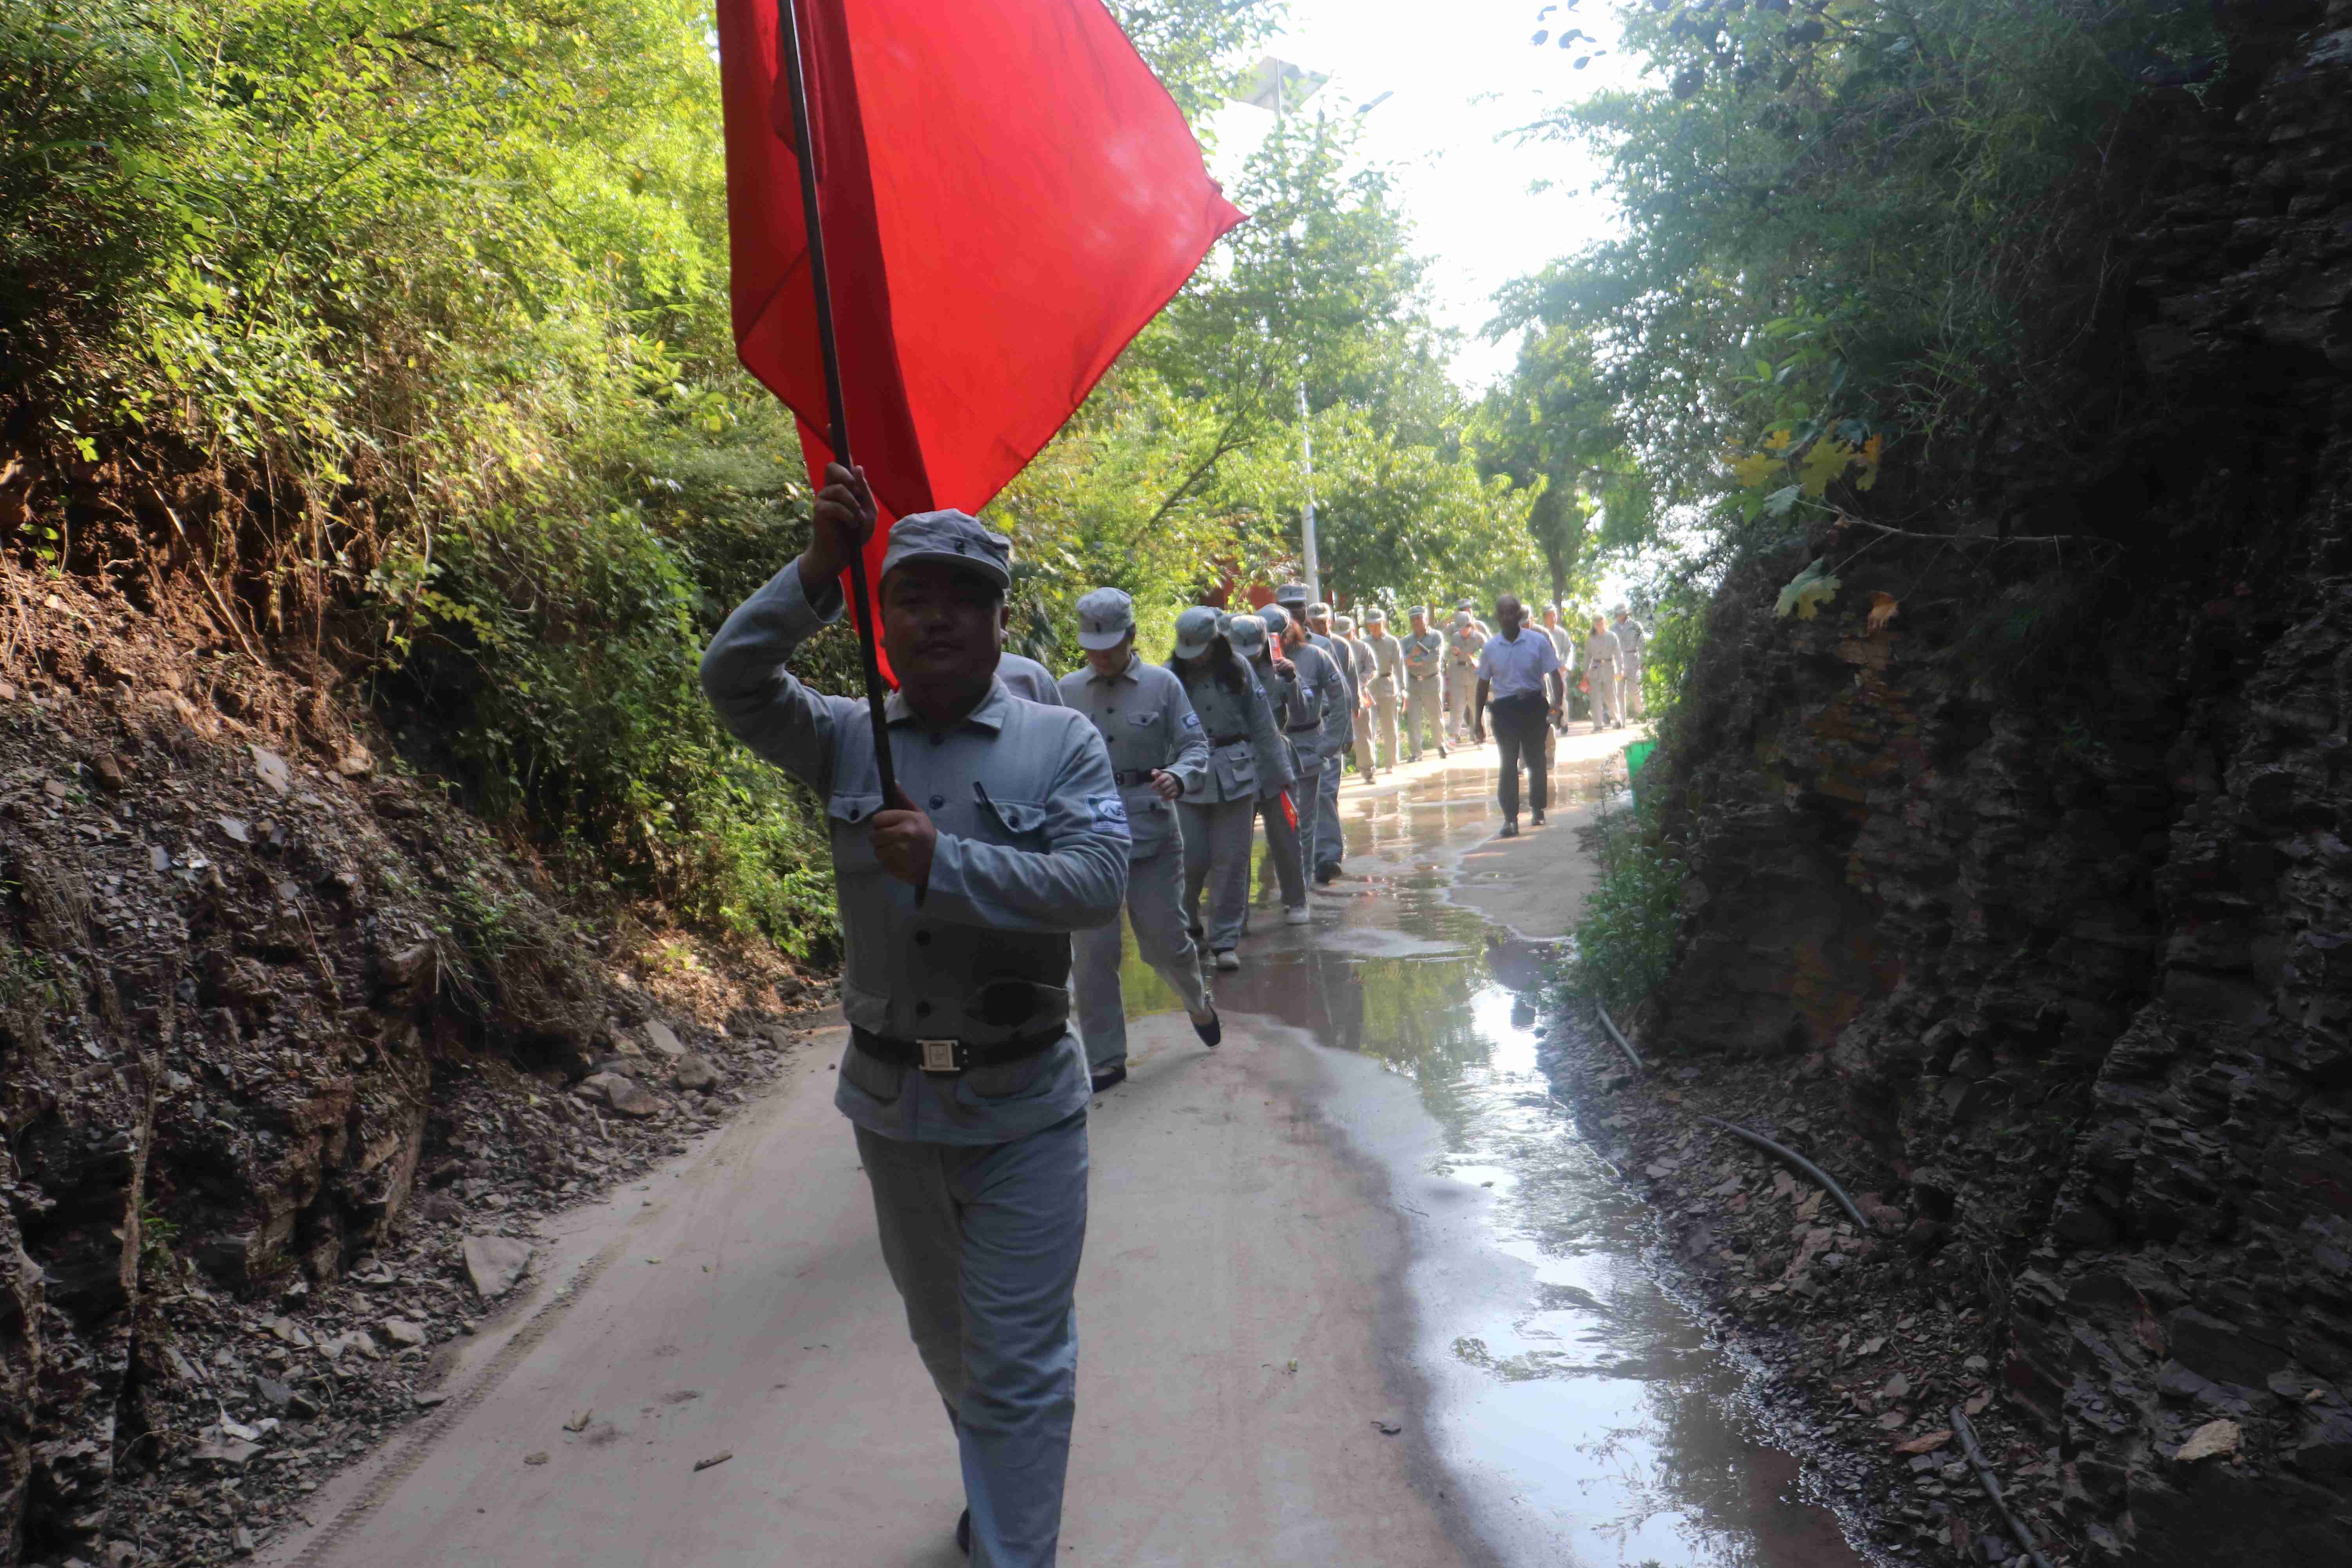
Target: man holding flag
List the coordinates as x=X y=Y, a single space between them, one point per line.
x=966 y=1084
x=944 y=224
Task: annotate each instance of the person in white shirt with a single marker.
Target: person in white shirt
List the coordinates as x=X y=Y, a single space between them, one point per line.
x=1518 y=675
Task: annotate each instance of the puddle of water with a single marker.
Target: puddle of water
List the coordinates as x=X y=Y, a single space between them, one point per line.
x=1579 y=1406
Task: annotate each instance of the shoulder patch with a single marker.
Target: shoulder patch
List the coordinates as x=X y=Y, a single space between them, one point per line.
x=1191 y=720
x=1109 y=814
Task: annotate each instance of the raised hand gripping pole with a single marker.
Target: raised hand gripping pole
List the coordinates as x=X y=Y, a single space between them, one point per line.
x=787 y=33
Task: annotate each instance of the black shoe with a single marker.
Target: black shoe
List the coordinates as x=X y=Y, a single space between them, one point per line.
x=1211 y=1033
x=1510 y=830
x=1538 y=818
x=963 y=1532
x=1442 y=753
x=1110 y=1078
x=1199 y=935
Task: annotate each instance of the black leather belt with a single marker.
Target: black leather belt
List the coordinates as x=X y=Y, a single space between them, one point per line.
x=1305 y=729
x=948 y=1055
x=1126 y=776
x=1219 y=742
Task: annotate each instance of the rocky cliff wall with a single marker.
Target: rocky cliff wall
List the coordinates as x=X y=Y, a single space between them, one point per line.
x=2054 y=868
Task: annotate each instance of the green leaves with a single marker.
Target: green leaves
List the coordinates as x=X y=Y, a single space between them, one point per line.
x=1807 y=592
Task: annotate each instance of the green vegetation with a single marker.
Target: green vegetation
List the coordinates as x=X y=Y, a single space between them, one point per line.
x=1625 y=938
x=1844 y=251
x=1186 y=470
x=1842 y=227
x=405 y=321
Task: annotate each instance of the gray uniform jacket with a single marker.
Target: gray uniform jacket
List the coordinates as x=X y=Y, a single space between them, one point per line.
x=1631 y=640
x=1461 y=646
x=1368 y=666
x=1146 y=723
x=1028 y=681
x=1032 y=845
x=1388 y=665
x=1423 y=654
x=1246 y=754
x=1600 y=651
x=1340 y=717
x=1324 y=703
x=1563 y=645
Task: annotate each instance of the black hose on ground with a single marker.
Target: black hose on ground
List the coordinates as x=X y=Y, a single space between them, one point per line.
x=1792 y=1157
x=1617 y=1035
x=1993 y=1487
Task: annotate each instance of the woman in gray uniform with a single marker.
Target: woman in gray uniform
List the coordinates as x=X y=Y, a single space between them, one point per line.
x=1247 y=756
x=1250 y=767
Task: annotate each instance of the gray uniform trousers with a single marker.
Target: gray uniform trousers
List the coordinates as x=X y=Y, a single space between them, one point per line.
x=1384 y=727
x=1424 y=708
x=1155 y=907
x=997 y=1329
x=1286 y=845
x=1217 y=857
x=1464 y=679
x=1329 y=844
x=1607 y=709
x=1629 y=688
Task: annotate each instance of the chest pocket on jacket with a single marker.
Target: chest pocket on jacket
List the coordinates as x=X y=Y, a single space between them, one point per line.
x=1018 y=823
x=853 y=849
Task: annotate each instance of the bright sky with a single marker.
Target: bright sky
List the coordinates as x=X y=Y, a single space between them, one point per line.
x=1463 y=75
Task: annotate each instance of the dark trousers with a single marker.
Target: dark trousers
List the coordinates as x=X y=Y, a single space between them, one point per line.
x=1520 y=724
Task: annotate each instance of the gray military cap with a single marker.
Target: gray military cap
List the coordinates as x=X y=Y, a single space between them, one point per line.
x=957 y=538
x=1106 y=616
x=1275 y=620
x=1376 y=617
x=1461 y=617
x=1343 y=624
x=1420 y=610
x=1247 y=634
x=1317 y=610
x=1464 y=603
x=1195 y=630
x=1290 y=593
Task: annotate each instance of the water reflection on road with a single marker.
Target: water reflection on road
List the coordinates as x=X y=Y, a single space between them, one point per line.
x=1577 y=1405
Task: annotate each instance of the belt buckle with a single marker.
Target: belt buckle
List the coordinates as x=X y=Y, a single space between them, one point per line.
x=939 y=1056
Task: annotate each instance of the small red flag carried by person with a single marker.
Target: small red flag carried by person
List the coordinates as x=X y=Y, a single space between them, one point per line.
x=1007 y=195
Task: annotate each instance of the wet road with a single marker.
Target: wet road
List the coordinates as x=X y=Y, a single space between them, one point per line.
x=1578 y=1406
x=1354 y=1293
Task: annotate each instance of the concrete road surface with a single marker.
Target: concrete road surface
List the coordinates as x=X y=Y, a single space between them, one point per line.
x=1286 y=1235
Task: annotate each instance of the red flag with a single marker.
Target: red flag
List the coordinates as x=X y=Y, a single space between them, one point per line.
x=1008 y=195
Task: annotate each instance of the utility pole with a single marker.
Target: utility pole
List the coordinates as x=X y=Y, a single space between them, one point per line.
x=1276 y=84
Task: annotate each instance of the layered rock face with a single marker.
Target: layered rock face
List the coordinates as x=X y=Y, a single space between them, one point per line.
x=2054 y=866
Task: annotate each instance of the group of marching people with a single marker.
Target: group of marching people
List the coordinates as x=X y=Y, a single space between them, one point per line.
x=1252 y=721
x=1247 y=721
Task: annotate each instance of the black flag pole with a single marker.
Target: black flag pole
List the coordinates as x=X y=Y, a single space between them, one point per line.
x=788 y=32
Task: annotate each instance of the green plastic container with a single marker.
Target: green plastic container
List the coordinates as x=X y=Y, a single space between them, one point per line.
x=1636 y=756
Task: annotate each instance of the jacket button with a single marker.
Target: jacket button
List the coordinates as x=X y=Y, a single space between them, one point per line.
x=922 y=939
x=938 y=800
x=923 y=1009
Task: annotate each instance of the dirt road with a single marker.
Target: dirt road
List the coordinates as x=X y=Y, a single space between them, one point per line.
x=1288 y=1237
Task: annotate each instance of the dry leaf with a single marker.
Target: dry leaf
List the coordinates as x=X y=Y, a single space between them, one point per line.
x=1926 y=1444
x=719 y=1459
x=580 y=1422
x=1882 y=610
